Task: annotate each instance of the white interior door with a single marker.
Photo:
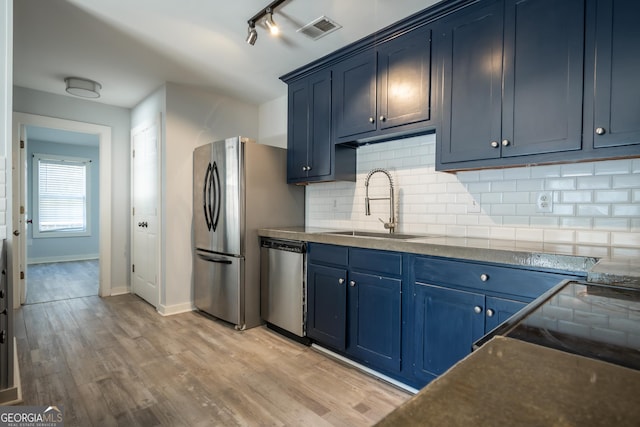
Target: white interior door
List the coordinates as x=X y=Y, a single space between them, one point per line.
x=145 y=198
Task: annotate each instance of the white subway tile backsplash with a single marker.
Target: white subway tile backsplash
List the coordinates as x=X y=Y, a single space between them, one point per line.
x=560 y=184
x=626 y=210
x=612 y=196
x=594 y=182
x=576 y=196
x=576 y=222
x=612 y=167
x=577 y=169
x=625 y=239
x=593 y=210
x=626 y=181
x=595 y=203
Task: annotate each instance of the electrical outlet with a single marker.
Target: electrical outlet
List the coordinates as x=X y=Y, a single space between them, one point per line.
x=544 y=202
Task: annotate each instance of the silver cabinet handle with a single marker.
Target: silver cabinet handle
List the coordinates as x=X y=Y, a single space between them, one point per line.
x=352 y=283
x=495 y=144
x=477 y=309
x=340 y=281
x=490 y=313
x=484 y=277
x=383 y=118
x=371 y=120
x=505 y=142
x=304 y=168
x=600 y=131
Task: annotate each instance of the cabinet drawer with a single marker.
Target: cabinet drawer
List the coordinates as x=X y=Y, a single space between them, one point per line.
x=376 y=261
x=328 y=254
x=487 y=278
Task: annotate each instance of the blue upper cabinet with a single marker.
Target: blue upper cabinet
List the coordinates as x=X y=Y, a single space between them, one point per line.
x=384 y=89
x=612 y=92
x=512 y=82
x=311 y=154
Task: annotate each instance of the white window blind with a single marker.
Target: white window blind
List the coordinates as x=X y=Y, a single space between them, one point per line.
x=62 y=195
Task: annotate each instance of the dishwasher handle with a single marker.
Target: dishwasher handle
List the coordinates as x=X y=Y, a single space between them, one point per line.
x=284 y=245
x=214 y=259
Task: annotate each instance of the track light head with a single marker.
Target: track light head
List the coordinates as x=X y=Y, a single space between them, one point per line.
x=252 y=34
x=271 y=25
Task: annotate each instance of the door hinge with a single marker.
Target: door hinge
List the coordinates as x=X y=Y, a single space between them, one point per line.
x=133 y=268
x=22 y=275
x=21 y=210
x=21 y=143
x=133 y=153
x=133 y=211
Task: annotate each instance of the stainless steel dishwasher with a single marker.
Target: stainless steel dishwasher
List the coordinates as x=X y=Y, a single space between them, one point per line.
x=283 y=290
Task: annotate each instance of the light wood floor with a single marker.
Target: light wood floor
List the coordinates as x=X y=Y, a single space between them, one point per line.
x=61 y=280
x=116 y=361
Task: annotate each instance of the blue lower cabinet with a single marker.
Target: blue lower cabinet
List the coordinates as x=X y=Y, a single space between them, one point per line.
x=498 y=310
x=327 y=305
x=447 y=322
x=374 y=320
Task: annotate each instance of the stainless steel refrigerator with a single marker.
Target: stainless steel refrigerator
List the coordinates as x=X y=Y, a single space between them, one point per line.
x=239 y=186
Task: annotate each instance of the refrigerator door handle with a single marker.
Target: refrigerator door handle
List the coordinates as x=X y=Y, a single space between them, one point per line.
x=214 y=259
x=217 y=197
x=206 y=197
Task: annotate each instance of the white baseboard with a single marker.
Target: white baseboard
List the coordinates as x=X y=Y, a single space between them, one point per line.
x=169 y=310
x=13 y=395
x=119 y=290
x=63 y=258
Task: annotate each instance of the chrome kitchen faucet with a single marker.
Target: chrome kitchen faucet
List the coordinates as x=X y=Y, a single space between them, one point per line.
x=391 y=225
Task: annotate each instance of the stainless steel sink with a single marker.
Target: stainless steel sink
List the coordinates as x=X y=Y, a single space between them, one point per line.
x=396 y=236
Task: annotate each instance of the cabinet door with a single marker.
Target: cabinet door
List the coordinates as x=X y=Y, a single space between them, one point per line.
x=543 y=63
x=298 y=131
x=498 y=310
x=354 y=96
x=374 y=320
x=469 y=46
x=404 y=79
x=320 y=144
x=327 y=305
x=309 y=128
x=617 y=68
x=447 y=322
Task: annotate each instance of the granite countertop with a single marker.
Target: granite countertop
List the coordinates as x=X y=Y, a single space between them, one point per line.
x=595 y=261
x=511 y=382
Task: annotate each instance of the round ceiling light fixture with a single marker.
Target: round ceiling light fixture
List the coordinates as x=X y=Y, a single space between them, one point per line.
x=84 y=88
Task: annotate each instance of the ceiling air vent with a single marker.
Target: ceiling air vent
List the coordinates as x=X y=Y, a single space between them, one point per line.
x=319 y=28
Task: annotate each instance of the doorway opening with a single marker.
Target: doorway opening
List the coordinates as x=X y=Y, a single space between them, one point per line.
x=62 y=210
x=61 y=241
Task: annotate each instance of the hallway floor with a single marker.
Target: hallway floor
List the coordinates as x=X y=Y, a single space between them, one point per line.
x=61 y=280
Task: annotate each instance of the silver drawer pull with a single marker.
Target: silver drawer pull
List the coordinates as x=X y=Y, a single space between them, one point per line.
x=340 y=281
x=490 y=313
x=477 y=309
x=484 y=277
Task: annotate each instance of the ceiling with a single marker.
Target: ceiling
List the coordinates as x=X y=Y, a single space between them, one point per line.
x=132 y=47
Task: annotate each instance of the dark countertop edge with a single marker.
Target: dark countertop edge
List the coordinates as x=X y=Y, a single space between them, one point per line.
x=606 y=271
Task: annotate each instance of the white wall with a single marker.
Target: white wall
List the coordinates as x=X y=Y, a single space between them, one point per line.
x=119 y=120
x=273 y=122
x=595 y=203
x=6 y=79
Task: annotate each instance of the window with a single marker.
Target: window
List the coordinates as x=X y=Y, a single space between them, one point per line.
x=61 y=196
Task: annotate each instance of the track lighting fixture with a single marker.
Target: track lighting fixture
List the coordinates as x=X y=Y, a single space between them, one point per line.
x=252 y=34
x=271 y=25
x=267 y=13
